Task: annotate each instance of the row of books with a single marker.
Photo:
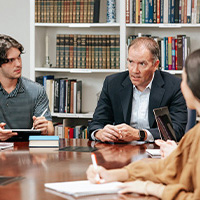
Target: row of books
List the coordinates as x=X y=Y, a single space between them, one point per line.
x=162 y=11
x=67 y=11
x=88 y=51
x=173 y=50
x=78 y=132
x=65 y=95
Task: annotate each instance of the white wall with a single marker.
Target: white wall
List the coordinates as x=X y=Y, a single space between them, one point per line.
x=15 y=21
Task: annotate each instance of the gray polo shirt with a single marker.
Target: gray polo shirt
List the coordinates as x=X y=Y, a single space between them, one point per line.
x=28 y=99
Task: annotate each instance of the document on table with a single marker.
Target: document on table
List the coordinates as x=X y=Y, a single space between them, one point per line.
x=5 y=145
x=84 y=188
x=153 y=152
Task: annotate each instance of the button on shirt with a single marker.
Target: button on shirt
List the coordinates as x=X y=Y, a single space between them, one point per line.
x=140 y=109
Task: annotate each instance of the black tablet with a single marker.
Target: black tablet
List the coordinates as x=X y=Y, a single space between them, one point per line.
x=23 y=134
x=164 y=123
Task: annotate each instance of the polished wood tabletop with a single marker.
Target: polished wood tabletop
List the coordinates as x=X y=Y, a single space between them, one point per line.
x=38 y=166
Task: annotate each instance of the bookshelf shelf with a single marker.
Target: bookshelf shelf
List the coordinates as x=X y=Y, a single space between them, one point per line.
x=68 y=115
x=163 y=25
x=78 y=25
x=174 y=71
x=42 y=69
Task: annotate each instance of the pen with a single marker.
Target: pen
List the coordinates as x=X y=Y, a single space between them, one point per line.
x=94 y=162
x=42 y=115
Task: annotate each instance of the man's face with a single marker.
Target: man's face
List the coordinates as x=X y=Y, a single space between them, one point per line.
x=141 y=66
x=12 y=69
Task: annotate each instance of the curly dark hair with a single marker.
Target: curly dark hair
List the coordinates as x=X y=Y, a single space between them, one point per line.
x=7 y=42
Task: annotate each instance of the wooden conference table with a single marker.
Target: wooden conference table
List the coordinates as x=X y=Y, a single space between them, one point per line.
x=41 y=166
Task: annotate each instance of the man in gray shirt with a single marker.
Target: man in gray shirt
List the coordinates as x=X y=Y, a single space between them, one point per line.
x=22 y=101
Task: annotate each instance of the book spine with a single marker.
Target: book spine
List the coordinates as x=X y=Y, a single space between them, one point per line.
x=127 y=11
x=59 y=11
x=96 y=11
x=78 y=54
x=81 y=10
x=87 y=51
x=66 y=46
x=166 y=52
x=173 y=55
x=74 y=11
x=176 y=53
x=51 y=11
x=117 y=50
x=189 y=10
x=56 y=95
x=155 y=11
x=83 y=52
x=79 y=97
x=112 y=51
x=85 y=10
x=62 y=51
x=161 y=11
x=62 y=96
x=179 y=52
x=75 y=52
x=71 y=51
x=169 y=53
x=100 y=53
x=146 y=11
x=96 y=52
x=185 y=12
x=172 y=20
x=93 y=51
x=150 y=18
x=111 y=11
x=108 y=51
x=158 y=11
x=58 y=51
x=77 y=11
x=36 y=11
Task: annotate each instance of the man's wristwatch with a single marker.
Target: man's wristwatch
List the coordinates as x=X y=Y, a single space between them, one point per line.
x=142 y=135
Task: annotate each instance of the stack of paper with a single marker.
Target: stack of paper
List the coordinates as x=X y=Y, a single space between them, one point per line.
x=43 y=141
x=84 y=188
x=5 y=145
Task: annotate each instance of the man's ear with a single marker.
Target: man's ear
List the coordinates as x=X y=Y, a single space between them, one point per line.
x=156 y=64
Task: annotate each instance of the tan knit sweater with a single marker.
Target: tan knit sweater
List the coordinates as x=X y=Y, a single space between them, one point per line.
x=180 y=171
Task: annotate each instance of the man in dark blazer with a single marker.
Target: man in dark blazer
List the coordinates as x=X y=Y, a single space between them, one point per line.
x=125 y=108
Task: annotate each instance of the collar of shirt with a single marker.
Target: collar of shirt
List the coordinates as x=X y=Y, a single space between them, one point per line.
x=147 y=87
x=18 y=89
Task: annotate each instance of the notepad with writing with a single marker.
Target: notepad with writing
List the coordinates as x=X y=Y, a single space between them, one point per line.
x=84 y=188
x=43 y=141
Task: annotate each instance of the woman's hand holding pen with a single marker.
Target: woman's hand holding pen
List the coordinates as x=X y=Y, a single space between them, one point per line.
x=106 y=175
x=5 y=134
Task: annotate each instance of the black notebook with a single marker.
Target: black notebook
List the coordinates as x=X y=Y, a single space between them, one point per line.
x=4 y=180
x=164 y=123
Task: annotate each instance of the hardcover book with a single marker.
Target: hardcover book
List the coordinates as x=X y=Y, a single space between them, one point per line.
x=43 y=141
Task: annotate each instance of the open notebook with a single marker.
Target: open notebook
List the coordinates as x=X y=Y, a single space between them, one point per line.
x=84 y=188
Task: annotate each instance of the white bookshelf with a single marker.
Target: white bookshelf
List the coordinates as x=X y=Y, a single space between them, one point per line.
x=93 y=78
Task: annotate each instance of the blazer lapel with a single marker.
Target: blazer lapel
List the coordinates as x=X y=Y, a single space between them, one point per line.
x=156 y=96
x=126 y=95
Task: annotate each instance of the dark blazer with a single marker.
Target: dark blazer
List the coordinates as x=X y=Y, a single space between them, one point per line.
x=115 y=102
